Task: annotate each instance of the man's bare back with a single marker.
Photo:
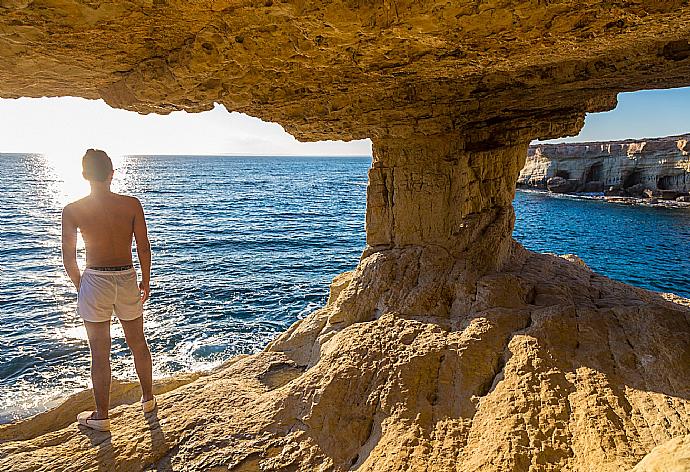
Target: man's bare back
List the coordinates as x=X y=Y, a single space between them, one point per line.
x=107 y=223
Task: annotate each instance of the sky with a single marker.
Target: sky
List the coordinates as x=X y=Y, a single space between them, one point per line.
x=644 y=114
x=60 y=127
x=68 y=125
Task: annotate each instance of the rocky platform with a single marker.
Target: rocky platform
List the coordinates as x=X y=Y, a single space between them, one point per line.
x=547 y=366
x=451 y=347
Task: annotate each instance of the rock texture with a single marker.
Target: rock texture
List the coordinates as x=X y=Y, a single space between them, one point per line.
x=344 y=69
x=655 y=164
x=672 y=456
x=449 y=347
x=121 y=393
x=546 y=366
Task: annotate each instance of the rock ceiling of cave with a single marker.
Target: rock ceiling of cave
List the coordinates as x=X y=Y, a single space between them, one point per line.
x=348 y=69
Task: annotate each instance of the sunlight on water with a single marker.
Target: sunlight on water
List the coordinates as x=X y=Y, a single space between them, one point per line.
x=57 y=181
x=77 y=333
x=242 y=248
x=69 y=183
x=29 y=398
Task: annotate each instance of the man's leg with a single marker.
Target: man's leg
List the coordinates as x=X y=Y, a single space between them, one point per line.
x=134 y=335
x=99 y=342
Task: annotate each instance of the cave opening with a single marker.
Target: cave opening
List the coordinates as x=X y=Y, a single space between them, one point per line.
x=668 y=182
x=595 y=173
x=611 y=160
x=574 y=371
x=634 y=178
x=426 y=305
x=260 y=221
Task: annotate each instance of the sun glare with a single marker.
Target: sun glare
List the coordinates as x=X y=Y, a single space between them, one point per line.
x=63 y=128
x=71 y=185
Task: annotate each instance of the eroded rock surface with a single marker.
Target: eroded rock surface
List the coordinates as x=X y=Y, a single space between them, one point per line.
x=672 y=456
x=449 y=347
x=546 y=366
x=343 y=70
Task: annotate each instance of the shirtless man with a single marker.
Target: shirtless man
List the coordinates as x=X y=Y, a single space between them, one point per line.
x=108 y=285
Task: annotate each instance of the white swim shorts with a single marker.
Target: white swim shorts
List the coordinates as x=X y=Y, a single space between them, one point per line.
x=102 y=293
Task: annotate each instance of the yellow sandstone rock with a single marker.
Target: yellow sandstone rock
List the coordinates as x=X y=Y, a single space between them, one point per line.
x=672 y=456
x=450 y=347
x=339 y=284
x=121 y=393
x=546 y=367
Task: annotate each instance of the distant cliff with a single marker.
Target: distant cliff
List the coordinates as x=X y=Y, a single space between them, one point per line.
x=660 y=167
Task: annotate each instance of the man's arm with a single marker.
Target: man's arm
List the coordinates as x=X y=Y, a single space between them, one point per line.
x=143 y=250
x=69 y=246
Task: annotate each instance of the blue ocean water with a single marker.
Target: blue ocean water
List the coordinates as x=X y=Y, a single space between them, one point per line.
x=243 y=247
x=640 y=245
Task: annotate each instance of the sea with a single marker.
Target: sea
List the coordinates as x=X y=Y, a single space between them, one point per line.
x=242 y=248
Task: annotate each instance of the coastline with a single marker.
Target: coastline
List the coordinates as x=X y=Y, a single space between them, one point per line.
x=260 y=407
x=451 y=345
x=61 y=412
x=58 y=402
x=596 y=196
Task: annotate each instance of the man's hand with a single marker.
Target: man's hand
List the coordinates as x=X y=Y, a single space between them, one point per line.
x=144 y=290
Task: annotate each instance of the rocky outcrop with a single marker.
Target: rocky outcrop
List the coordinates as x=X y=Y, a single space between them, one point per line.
x=346 y=70
x=121 y=393
x=545 y=366
x=559 y=184
x=660 y=165
x=450 y=347
x=672 y=456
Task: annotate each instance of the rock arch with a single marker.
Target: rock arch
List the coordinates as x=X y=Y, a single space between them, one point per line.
x=451 y=347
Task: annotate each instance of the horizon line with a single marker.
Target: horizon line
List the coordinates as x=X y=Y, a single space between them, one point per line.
x=209 y=155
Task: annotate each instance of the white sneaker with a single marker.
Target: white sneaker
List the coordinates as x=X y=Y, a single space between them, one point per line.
x=84 y=419
x=149 y=406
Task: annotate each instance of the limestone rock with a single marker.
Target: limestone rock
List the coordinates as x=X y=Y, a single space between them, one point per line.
x=646 y=193
x=575 y=259
x=121 y=393
x=669 y=194
x=559 y=185
x=660 y=165
x=339 y=284
x=595 y=186
x=672 y=456
x=547 y=366
x=451 y=347
x=343 y=70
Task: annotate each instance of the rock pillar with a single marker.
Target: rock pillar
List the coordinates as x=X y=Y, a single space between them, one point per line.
x=442 y=191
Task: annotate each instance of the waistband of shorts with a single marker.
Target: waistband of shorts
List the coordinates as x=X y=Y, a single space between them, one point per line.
x=111 y=270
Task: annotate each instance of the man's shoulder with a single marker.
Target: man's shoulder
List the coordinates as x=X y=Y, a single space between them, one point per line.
x=70 y=207
x=128 y=199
